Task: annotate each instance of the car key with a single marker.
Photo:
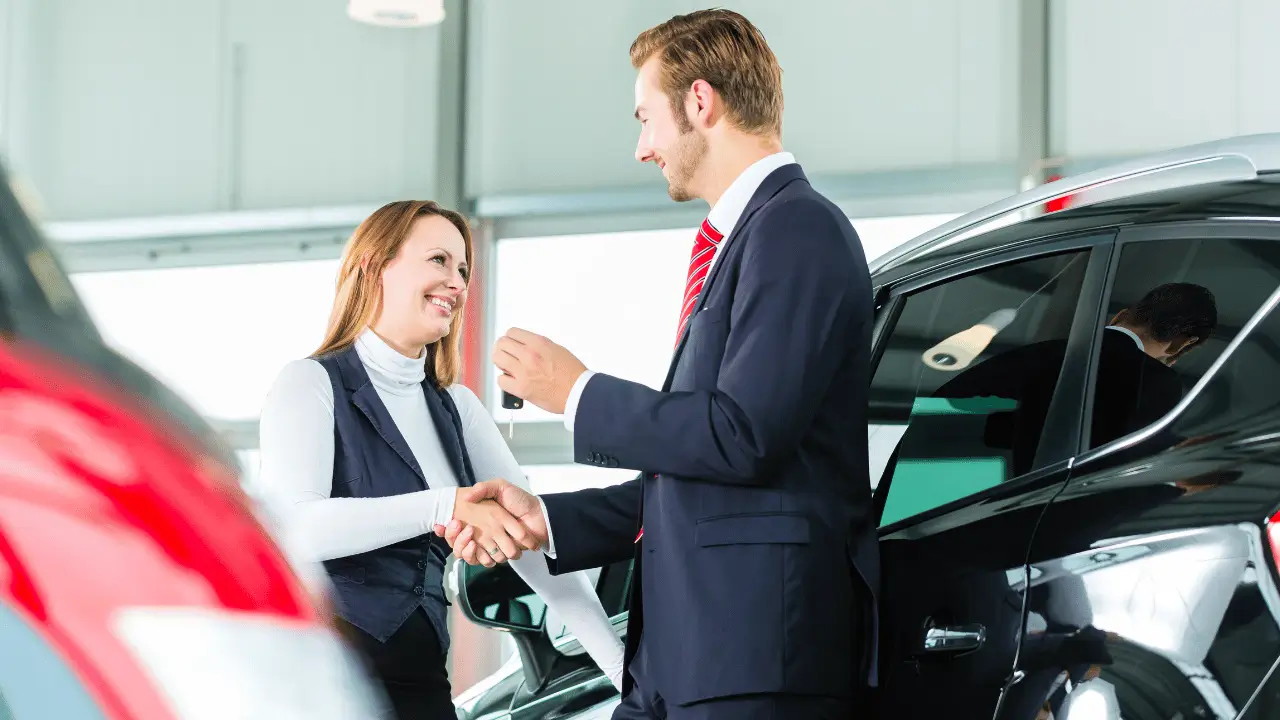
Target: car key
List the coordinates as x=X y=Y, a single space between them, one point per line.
x=511 y=403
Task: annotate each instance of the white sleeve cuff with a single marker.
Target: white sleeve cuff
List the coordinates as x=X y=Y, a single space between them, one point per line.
x=575 y=394
x=444 y=507
x=550 y=550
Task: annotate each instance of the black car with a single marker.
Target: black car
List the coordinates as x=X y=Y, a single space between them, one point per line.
x=1077 y=517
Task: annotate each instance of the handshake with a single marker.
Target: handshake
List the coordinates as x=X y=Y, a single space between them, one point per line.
x=494 y=522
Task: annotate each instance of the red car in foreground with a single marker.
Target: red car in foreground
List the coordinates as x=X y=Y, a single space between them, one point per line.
x=136 y=580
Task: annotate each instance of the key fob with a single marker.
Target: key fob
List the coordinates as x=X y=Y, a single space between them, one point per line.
x=511 y=402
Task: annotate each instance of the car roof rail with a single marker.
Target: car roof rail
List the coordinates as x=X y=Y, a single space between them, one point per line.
x=1233 y=159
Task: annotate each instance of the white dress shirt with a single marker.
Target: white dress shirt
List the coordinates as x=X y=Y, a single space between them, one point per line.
x=1131 y=334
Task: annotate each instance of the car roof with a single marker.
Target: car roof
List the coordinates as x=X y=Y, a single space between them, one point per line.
x=1225 y=178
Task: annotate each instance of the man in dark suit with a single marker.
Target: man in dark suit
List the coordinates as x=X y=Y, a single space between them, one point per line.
x=1136 y=383
x=755 y=550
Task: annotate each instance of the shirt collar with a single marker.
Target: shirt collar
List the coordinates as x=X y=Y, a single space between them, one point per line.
x=1131 y=334
x=726 y=213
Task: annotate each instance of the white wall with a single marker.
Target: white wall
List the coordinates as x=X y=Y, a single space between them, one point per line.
x=869 y=85
x=154 y=107
x=1142 y=75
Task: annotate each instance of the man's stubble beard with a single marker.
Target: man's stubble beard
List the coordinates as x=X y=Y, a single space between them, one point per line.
x=691 y=150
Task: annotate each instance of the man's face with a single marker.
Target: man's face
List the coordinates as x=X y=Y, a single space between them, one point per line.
x=667 y=139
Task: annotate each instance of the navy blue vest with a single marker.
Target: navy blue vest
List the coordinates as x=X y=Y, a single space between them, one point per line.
x=378 y=590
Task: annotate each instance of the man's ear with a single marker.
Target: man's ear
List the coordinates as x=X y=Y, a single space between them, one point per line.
x=1118 y=318
x=702 y=106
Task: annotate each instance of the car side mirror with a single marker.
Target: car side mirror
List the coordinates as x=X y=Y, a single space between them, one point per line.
x=499 y=598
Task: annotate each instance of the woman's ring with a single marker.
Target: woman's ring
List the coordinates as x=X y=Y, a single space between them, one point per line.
x=495 y=551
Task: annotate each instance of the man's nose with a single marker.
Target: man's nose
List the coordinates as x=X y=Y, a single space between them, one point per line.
x=644 y=153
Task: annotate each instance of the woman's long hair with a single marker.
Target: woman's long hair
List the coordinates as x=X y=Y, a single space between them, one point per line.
x=373 y=245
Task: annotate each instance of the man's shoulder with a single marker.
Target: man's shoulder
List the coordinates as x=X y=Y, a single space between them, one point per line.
x=798 y=197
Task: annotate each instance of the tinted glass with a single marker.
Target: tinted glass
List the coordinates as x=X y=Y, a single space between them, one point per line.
x=963 y=387
x=1241 y=397
x=1173 y=308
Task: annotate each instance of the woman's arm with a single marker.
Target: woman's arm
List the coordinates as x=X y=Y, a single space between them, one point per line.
x=296 y=477
x=571 y=595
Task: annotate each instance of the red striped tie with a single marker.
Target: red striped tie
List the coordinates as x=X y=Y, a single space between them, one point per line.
x=704 y=249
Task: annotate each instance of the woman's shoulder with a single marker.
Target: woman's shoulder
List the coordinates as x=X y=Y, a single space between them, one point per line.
x=302 y=377
x=462 y=394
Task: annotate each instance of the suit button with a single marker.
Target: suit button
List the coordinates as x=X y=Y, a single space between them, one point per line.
x=417 y=590
x=422 y=564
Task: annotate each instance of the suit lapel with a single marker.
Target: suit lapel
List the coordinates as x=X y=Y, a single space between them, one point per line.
x=772 y=185
x=449 y=428
x=365 y=397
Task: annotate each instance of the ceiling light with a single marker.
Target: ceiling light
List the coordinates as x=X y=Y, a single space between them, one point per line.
x=396 y=13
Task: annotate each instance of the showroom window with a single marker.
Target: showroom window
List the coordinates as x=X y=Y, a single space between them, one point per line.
x=613 y=299
x=217 y=335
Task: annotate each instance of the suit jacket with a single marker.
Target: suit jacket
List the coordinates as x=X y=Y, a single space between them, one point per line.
x=1133 y=390
x=759 y=564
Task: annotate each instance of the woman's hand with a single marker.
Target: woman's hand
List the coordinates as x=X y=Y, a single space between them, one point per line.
x=493 y=529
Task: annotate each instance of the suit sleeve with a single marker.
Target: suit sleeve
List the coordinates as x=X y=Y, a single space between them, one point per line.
x=593 y=527
x=801 y=305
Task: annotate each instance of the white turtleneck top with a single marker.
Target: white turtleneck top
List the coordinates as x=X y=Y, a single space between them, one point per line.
x=296 y=476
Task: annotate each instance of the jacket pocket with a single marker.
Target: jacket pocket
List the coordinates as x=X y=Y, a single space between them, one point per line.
x=354 y=575
x=775 y=529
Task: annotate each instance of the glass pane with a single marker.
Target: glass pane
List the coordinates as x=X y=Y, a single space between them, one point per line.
x=216 y=335
x=1174 y=307
x=614 y=299
x=963 y=388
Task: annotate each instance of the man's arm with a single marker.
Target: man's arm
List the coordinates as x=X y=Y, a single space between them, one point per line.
x=594 y=527
x=802 y=304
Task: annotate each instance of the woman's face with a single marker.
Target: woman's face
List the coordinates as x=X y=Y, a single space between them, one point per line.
x=424 y=286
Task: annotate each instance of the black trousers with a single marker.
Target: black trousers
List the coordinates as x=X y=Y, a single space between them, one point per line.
x=409 y=666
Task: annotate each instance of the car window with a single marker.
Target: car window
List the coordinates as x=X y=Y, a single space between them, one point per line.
x=1174 y=306
x=962 y=389
x=1240 y=397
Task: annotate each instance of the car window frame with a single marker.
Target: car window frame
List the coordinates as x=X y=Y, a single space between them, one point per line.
x=1064 y=417
x=1225 y=229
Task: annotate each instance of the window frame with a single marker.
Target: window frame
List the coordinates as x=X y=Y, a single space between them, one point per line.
x=1226 y=229
x=1059 y=442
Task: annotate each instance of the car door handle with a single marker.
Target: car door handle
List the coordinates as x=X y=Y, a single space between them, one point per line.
x=958 y=638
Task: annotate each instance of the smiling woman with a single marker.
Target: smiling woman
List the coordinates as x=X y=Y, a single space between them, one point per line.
x=366 y=444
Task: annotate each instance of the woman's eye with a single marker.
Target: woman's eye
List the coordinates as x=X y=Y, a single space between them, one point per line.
x=438 y=258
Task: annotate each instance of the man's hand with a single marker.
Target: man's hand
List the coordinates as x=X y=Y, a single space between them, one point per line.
x=536 y=369
x=522 y=505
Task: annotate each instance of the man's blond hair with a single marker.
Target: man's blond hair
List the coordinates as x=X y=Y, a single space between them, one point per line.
x=724 y=49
